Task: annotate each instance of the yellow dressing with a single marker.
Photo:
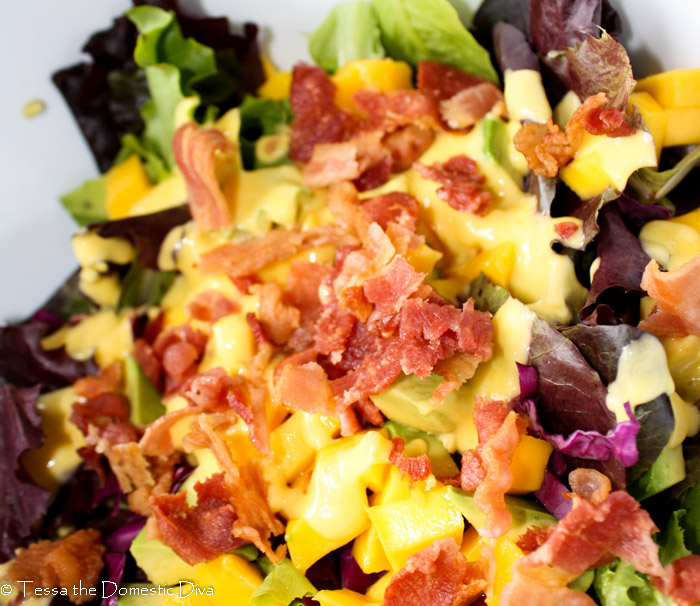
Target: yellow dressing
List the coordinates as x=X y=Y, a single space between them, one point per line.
x=525 y=96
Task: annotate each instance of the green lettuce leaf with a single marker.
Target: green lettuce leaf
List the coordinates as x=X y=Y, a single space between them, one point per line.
x=691 y=521
x=652 y=185
x=619 y=584
x=144 y=286
x=672 y=540
x=349 y=32
x=420 y=30
x=87 y=203
x=282 y=585
x=260 y=118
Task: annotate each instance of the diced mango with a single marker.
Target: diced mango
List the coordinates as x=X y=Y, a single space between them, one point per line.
x=528 y=464
x=342 y=597
x=682 y=354
x=377 y=74
x=603 y=162
x=368 y=552
x=497 y=263
x=277 y=83
x=231 y=345
x=692 y=218
x=307 y=546
x=408 y=526
x=127 y=183
x=654 y=115
x=471 y=545
x=675 y=88
x=683 y=126
x=423 y=258
x=376 y=591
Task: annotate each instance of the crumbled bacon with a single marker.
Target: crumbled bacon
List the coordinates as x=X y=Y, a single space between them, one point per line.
x=100 y=410
x=278 y=318
x=317 y=119
x=374 y=175
x=243 y=283
x=456 y=371
x=444 y=81
x=416 y=468
x=599 y=121
x=389 y=289
x=462 y=184
x=532 y=538
x=203 y=532
x=109 y=380
x=590 y=532
x=179 y=348
x=302 y=291
x=680 y=581
x=210 y=306
x=197 y=152
x=245 y=257
x=470 y=105
x=438 y=575
x=61 y=564
x=333 y=330
x=565 y=229
x=396 y=207
x=677 y=295
x=487 y=469
x=306 y=388
x=150 y=364
x=259 y=334
x=541 y=587
x=405 y=145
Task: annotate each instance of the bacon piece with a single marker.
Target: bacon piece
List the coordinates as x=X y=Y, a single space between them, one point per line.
x=374 y=175
x=61 y=564
x=598 y=121
x=333 y=330
x=306 y=388
x=302 y=291
x=405 y=145
x=545 y=147
x=393 y=285
x=161 y=472
x=259 y=334
x=203 y=532
x=470 y=105
x=487 y=470
x=565 y=229
x=279 y=319
x=197 y=151
x=396 y=207
x=590 y=532
x=590 y=484
x=245 y=484
x=243 y=283
x=541 y=587
x=334 y=162
x=245 y=257
x=416 y=468
x=390 y=110
x=462 y=185
x=438 y=575
x=179 y=348
x=456 y=371
x=156 y=439
x=680 y=581
x=109 y=380
x=444 y=81
x=210 y=306
x=317 y=119
x=677 y=295
x=150 y=364
x=100 y=410
x=532 y=538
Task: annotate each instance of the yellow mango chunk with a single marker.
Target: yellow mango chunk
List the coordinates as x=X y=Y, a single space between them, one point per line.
x=231 y=345
x=306 y=545
x=675 y=88
x=683 y=127
x=343 y=597
x=127 y=183
x=368 y=552
x=603 y=162
x=654 y=115
x=277 y=83
x=408 y=526
x=528 y=464
x=692 y=218
x=423 y=258
x=377 y=74
x=497 y=264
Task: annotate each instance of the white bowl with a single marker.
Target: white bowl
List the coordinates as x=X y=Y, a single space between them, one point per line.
x=44 y=157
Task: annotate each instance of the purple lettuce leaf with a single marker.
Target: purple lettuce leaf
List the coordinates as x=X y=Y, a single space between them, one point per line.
x=63 y=304
x=112 y=573
x=545 y=190
x=145 y=232
x=551 y=495
x=559 y=24
x=181 y=473
x=596 y=65
x=351 y=575
x=24 y=362
x=23 y=502
x=512 y=49
x=570 y=393
x=657 y=424
x=620 y=442
x=515 y=12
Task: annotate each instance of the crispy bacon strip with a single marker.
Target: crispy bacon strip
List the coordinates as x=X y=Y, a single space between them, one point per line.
x=470 y=105
x=245 y=257
x=541 y=587
x=405 y=145
x=416 y=468
x=179 y=349
x=210 y=306
x=462 y=184
x=109 y=380
x=681 y=581
x=532 y=538
x=61 y=564
x=677 y=295
x=306 y=388
x=617 y=526
x=279 y=319
x=203 y=532
x=438 y=575
x=456 y=371
x=196 y=152
x=487 y=469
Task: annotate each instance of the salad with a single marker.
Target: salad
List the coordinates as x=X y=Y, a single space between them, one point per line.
x=414 y=324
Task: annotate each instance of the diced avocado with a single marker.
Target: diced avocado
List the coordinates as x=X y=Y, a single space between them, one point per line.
x=270 y=150
x=525 y=513
x=419 y=442
x=407 y=401
x=146 y=404
x=160 y=563
x=496 y=146
x=667 y=470
x=282 y=585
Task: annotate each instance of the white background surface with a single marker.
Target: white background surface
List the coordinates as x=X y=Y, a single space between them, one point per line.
x=46 y=156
